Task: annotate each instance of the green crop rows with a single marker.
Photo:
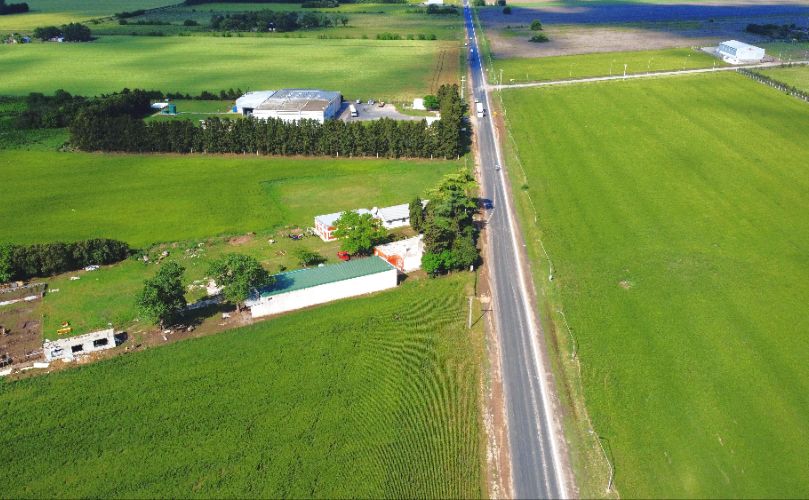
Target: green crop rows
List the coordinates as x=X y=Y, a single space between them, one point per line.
x=372 y=397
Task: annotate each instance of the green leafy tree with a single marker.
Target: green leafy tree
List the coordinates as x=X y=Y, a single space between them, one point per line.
x=75 y=32
x=417 y=214
x=539 y=38
x=536 y=25
x=163 y=296
x=6 y=269
x=238 y=275
x=308 y=258
x=45 y=33
x=431 y=102
x=358 y=233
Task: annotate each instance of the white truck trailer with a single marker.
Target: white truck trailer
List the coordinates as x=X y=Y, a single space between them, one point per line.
x=479 y=109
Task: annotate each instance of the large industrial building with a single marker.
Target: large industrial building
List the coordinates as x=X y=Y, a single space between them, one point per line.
x=735 y=52
x=317 y=285
x=290 y=105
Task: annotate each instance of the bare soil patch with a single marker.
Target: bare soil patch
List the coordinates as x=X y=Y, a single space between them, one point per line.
x=508 y=34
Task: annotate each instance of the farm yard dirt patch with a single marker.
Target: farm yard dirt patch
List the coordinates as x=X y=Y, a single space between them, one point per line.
x=626 y=27
x=23 y=330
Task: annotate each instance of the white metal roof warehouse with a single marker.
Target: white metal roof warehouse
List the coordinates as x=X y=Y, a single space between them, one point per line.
x=291 y=104
x=736 y=52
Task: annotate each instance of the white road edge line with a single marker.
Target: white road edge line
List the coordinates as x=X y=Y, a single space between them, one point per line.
x=526 y=304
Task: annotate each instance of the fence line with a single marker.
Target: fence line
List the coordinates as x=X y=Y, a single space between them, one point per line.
x=766 y=80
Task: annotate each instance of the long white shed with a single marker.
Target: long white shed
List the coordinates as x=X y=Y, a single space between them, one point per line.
x=308 y=287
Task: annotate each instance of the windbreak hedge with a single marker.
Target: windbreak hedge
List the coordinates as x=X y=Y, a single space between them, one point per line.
x=21 y=262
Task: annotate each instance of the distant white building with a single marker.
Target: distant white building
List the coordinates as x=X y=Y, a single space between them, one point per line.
x=317 y=285
x=393 y=217
x=735 y=52
x=434 y=2
x=290 y=105
x=73 y=347
x=404 y=255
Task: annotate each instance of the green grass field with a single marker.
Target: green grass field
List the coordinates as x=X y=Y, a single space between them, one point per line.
x=371 y=397
x=796 y=76
x=364 y=20
x=387 y=70
x=56 y=12
x=601 y=64
x=143 y=199
x=675 y=212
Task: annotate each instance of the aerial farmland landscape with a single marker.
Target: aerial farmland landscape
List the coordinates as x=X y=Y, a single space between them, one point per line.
x=404 y=249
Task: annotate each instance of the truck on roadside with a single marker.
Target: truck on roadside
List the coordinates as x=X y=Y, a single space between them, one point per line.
x=479 y=109
x=353 y=110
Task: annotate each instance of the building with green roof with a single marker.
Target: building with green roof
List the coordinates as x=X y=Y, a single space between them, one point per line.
x=308 y=287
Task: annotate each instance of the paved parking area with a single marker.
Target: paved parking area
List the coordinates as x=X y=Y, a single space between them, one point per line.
x=369 y=112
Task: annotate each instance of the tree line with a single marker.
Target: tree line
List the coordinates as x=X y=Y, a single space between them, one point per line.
x=101 y=127
x=12 y=8
x=22 y=262
x=270 y=20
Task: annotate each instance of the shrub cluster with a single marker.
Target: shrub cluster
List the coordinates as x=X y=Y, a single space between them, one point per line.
x=12 y=8
x=134 y=13
x=22 y=262
x=73 y=32
x=539 y=38
x=783 y=31
x=97 y=128
x=55 y=111
x=442 y=10
x=320 y=4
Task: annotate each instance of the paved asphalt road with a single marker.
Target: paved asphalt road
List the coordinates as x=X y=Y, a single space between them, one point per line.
x=535 y=464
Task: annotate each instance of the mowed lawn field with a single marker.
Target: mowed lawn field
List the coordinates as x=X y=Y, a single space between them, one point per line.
x=675 y=212
x=373 y=397
x=360 y=69
x=601 y=64
x=796 y=76
x=57 y=12
x=144 y=199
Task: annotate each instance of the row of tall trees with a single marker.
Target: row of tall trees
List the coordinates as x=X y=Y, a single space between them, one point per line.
x=12 y=8
x=105 y=129
x=21 y=262
x=270 y=20
x=450 y=236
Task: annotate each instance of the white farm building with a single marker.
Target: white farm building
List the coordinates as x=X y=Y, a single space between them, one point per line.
x=404 y=255
x=290 y=105
x=390 y=217
x=73 y=347
x=735 y=52
x=317 y=285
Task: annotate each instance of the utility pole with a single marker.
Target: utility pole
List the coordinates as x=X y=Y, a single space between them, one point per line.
x=501 y=76
x=625 y=65
x=463 y=84
x=469 y=320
